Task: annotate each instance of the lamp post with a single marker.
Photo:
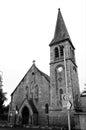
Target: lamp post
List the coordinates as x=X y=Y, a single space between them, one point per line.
x=16 y=112
x=67 y=93
x=10 y=116
x=10 y=119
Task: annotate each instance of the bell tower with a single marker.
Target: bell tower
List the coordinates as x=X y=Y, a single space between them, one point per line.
x=61 y=46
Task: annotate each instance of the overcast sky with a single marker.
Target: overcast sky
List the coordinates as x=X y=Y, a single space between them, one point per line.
x=26 y=29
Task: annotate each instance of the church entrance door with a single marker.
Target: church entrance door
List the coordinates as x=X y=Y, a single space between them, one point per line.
x=25 y=116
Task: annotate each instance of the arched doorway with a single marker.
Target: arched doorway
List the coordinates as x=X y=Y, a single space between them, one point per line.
x=25 y=115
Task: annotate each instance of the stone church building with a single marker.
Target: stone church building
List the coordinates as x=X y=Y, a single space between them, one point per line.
x=40 y=99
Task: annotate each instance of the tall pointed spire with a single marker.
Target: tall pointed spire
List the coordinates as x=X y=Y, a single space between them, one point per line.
x=61 y=32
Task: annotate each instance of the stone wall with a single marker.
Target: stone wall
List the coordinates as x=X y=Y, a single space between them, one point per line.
x=83 y=102
x=60 y=118
x=80 y=120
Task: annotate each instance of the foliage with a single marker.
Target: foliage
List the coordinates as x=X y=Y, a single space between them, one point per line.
x=2 y=97
x=6 y=109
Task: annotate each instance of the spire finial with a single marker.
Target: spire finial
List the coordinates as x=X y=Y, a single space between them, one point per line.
x=58 y=9
x=34 y=62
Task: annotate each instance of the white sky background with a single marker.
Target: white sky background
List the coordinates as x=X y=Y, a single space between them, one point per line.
x=26 y=29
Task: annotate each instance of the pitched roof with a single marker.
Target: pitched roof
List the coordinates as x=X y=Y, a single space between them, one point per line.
x=34 y=66
x=61 y=32
x=45 y=75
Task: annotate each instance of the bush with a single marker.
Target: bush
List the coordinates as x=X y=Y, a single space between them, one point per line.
x=3 y=117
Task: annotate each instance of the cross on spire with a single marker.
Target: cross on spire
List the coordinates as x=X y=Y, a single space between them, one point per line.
x=34 y=62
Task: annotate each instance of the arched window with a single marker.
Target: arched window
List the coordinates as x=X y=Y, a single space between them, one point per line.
x=56 y=52
x=46 y=108
x=36 y=92
x=72 y=54
x=61 y=92
x=61 y=51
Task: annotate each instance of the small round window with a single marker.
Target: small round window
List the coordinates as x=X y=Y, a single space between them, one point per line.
x=60 y=69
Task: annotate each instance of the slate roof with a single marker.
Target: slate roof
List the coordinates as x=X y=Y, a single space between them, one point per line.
x=61 y=32
x=45 y=75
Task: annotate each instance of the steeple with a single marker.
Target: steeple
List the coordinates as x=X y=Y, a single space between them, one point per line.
x=62 y=54
x=61 y=32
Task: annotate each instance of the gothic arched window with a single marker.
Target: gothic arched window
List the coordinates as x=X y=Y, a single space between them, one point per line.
x=26 y=91
x=36 y=92
x=46 y=108
x=61 y=92
x=72 y=54
x=61 y=51
x=56 y=52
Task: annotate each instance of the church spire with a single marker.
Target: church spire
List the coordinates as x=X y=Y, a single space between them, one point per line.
x=61 y=32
